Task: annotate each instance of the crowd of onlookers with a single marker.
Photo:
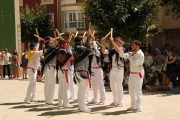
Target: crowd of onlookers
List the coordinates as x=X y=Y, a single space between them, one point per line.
x=10 y=62
x=161 y=66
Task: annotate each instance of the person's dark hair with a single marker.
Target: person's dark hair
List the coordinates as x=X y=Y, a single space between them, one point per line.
x=159 y=76
x=25 y=50
x=137 y=42
x=32 y=45
x=147 y=51
x=5 y=49
x=15 y=53
x=47 y=38
x=78 y=40
x=167 y=75
x=156 y=61
x=167 y=45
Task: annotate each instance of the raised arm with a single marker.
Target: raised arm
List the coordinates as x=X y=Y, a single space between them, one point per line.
x=103 y=44
x=122 y=54
x=114 y=44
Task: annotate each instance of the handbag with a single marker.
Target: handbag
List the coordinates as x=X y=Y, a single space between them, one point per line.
x=163 y=67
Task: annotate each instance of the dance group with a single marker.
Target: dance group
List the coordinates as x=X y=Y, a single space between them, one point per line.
x=84 y=63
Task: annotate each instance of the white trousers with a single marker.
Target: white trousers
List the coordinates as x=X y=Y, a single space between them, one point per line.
x=135 y=90
x=83 y=88
x=71 y=83
x=63 y=94
x=32 y=85
x=50 y=82
x=116 y=80
x=98 y=85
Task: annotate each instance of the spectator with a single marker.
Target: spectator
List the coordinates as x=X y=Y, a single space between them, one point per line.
x=145 y=82
x=154 y=54
x=157 y=48
x=6 y=63
x=165 y=51
x=2 y=57
x=148 y=60
x=107 y=77
x=172 y=68
x=160 y=58
x=24 y=60
x=16 y=54
x=166 y=84
x=14 y=66
x=126 y=79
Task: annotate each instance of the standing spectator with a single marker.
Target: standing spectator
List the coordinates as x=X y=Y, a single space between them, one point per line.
x=160 y=58
x=149 y=48
x=14 y=65
x=2 y=56
x=172 y=68
x=16 y=54
x=157 y=48
x=126 y=79
x=6 y=63
x=148 y=60
x=165 y=51
x=24 y=60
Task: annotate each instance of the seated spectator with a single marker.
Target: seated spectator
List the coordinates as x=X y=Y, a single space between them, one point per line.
x=2 y=57
x=107 y=77
x=126 y=79
x=106 y=61
x=154 y=54
x=145 y=82
x=151 y=71
x=160 y=58
x=148 y=60
x=39 y=75
x=166 y=84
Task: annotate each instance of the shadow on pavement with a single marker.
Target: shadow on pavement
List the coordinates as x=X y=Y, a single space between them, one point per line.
x=117 y=112
x=12 y=103
x=56 y=113
x=95 y=109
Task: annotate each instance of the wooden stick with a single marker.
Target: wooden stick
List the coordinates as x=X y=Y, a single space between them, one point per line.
x=55 y=37
x=107 y=35
x=76 y=33
x=69 y=36
x=60 y=37
x=111 y=32
x=89 y=25
x=38 y=37
x=84 y=34
x=37 y=32
x=93 y=33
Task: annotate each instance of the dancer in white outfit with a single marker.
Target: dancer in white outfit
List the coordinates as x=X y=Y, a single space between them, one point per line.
x=97 y=77
x=117 y=71
x=64 y=62
x=81 y=63
x=33 y=62
x=136 y=59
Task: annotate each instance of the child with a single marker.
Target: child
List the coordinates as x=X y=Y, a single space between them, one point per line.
x=126 y=79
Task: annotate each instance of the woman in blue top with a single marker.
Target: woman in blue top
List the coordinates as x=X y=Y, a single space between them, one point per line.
x=160 y=58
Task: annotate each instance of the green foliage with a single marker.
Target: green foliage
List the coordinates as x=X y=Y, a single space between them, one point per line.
x=174 y=5
x=38 y=17
x=129 y=18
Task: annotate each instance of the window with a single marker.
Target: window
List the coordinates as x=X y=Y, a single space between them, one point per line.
x=47 y=1
x=65 y=20
x=72 y=20
x=81 y=23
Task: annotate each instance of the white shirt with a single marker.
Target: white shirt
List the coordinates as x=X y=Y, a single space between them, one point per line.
x=114 y=62
x=94 y=59
x=35 y=59
x=136 y=61
x=148 y=61
x=6 y=60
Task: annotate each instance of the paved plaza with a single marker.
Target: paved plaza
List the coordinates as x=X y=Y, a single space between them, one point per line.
x=156 y=105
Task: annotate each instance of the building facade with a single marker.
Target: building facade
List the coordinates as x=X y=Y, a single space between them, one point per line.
x=168 y=30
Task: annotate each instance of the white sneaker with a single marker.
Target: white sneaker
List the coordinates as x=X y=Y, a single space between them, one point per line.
x=86 y=110
x=136 y=110
x=130 y=109
x=27 y=102
x=34 y=100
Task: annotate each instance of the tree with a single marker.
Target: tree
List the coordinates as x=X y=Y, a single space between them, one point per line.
x=174 y=5
x=129 y=18
x=38 y=17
